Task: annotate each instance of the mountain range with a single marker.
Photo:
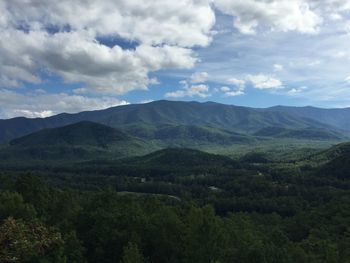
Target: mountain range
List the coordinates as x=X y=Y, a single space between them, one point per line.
x=162 y=120
x=139 y=129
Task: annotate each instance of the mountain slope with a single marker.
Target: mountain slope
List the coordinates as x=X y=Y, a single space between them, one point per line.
x=339 y=118
x=189 y=133
x=337 y=161
x=135 y=118
x=78 y=134
x=307 y=134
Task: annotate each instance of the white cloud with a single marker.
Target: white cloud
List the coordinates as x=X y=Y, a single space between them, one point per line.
x=280 y=15
x=278 y=67
x=348 y=79
x=183 y=22
x=335 y=17
x=199 y=77
x=44 y=104
x=237 y=91
x=234 y=93
x=62 y=37
x=145 y=101
x=304 y=16
x=262 y=82
x=296 y=91
x=314 y=63
x=186 y=90
x=225 y=89
x=237 y=82
x=76 y=57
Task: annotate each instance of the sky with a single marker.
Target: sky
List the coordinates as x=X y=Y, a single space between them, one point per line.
x=76 y=55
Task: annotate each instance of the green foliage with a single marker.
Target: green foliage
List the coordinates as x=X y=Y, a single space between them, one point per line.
x=79 y=141
x=12 y=205
x=307 y=133
x=180 y=205
x=132 y=254
x=21 y=241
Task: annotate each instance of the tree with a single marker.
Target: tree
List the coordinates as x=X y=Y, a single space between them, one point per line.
x=21 y=241
x=12 y=204
x=132 y=254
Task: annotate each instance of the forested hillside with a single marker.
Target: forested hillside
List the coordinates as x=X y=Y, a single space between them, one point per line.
x=179 y=205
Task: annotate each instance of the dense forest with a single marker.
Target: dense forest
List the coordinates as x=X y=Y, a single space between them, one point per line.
x=179 y=205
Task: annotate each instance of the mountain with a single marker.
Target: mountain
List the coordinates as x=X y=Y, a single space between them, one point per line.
x=149 y=120
x=338 y=118
x=79 y=141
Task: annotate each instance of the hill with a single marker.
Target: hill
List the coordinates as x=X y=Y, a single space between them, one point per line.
x=339 y=164
x=79 y=141
x=78 y=134
x=180 y=157
x=163 y=163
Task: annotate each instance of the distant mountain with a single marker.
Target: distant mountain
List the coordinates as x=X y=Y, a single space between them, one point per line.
x=338 y=118
x=156 y=119
x=79 y=141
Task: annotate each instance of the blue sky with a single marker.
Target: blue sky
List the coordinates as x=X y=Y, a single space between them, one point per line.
x=70 y=56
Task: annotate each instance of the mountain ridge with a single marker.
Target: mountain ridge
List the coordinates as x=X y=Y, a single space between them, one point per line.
x=159 y=113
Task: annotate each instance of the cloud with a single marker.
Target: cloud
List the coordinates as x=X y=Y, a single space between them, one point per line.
x=145 y=101
x=185 y=23
x=296 y=91
x=278 y=67
x=348 y=79
x=237 y=82
x=187 y=90
x=280 y=15
x=63 y=38
x=335 y=17
x=199 y=77
x=238 y=90
x=232 y=92
x=265 y=82
x=40 y=104
x=225 y=89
